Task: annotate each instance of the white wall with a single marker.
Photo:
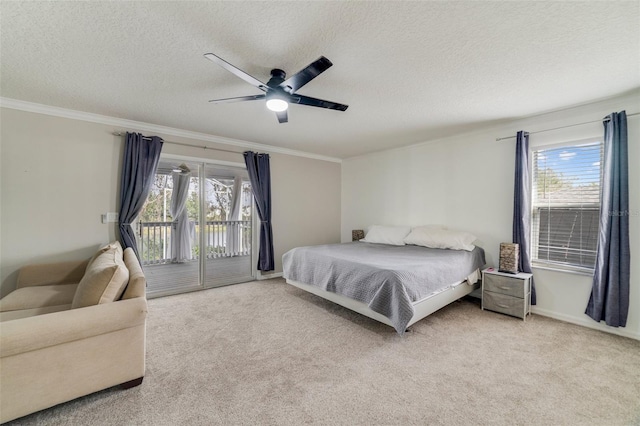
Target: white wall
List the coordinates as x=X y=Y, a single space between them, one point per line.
x=59 y=175
x=305 y=195
x=466 y=182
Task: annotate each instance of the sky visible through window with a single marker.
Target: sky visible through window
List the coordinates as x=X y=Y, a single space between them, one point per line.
x=581 y=164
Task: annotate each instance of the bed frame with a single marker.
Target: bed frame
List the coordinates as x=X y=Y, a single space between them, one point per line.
x=422 y=308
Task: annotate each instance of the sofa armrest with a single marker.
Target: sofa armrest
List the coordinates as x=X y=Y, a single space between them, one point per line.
x=52 y=273
x=41 y=331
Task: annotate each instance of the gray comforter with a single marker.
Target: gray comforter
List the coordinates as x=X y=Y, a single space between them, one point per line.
x=387 y=278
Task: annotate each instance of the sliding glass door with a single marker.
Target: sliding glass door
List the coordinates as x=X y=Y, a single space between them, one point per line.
x=195 y=230
x=228 y=224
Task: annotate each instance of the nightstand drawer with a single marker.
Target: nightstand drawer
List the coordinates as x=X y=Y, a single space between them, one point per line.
x=504 y=285
x=504 y=304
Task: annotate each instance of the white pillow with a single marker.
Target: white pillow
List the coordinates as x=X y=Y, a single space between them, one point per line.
x=429 y=236
x=393 y=235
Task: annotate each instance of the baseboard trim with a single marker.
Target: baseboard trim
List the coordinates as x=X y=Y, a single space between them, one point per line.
x=260 y=276
x=585 y=323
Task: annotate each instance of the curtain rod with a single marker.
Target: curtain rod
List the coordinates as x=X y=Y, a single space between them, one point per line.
x=564 y=127
x=186 y=144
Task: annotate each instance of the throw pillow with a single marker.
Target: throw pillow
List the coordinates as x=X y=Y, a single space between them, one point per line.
x=104 y=280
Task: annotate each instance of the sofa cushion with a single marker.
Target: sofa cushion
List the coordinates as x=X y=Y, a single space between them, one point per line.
x=104 y=280
x=38 y=297
x=69 y=272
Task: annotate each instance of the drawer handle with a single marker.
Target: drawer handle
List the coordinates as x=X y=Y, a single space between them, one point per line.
x=503 y=306
x=504 y=287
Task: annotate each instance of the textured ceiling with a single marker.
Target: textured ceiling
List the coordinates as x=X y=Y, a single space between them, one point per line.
x=409 y=71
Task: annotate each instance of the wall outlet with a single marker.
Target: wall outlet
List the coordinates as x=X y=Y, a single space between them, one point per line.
x=109 y=217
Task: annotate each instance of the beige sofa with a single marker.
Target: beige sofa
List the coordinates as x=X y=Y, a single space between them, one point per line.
x=63 y=336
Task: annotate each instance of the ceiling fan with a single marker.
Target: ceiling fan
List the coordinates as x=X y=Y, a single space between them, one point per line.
x=279 y=93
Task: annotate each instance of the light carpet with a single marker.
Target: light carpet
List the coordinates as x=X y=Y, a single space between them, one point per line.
x=268 y=353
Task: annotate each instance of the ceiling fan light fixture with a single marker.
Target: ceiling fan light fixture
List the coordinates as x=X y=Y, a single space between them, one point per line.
x=277 y=104
x=280 y=91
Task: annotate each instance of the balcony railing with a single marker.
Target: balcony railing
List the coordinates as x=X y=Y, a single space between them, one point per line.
x=223 y=238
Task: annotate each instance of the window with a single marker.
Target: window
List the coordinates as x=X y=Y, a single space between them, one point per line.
x=566 y=205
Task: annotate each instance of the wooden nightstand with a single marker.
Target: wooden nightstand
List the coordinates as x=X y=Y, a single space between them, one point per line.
x=506 y=293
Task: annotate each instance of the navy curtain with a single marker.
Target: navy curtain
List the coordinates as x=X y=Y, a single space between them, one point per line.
x=260 y=177
x=522 y=206
x=139 y=164
x=609 y=300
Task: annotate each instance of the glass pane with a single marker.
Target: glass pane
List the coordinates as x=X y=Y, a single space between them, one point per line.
x=227 y=230
x=168 y=232
x=568 y=175
x=568 y=236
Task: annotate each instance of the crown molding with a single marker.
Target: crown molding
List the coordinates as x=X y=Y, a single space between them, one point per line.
x=139 y=126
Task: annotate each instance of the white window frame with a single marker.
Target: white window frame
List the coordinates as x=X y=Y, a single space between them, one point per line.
x=534 y=239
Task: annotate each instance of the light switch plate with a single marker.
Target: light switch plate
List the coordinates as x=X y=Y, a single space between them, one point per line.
x=109 y=217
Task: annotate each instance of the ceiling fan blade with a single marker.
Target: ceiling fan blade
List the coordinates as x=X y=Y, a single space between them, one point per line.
x=304 y=76
x=236 y=71
x=238 y=99
x=282 y=116
x=307 y=100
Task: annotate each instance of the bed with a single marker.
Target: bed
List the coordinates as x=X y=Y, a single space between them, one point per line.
x=396 y=285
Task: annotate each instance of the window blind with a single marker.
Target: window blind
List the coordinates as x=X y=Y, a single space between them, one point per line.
x=566 y=204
